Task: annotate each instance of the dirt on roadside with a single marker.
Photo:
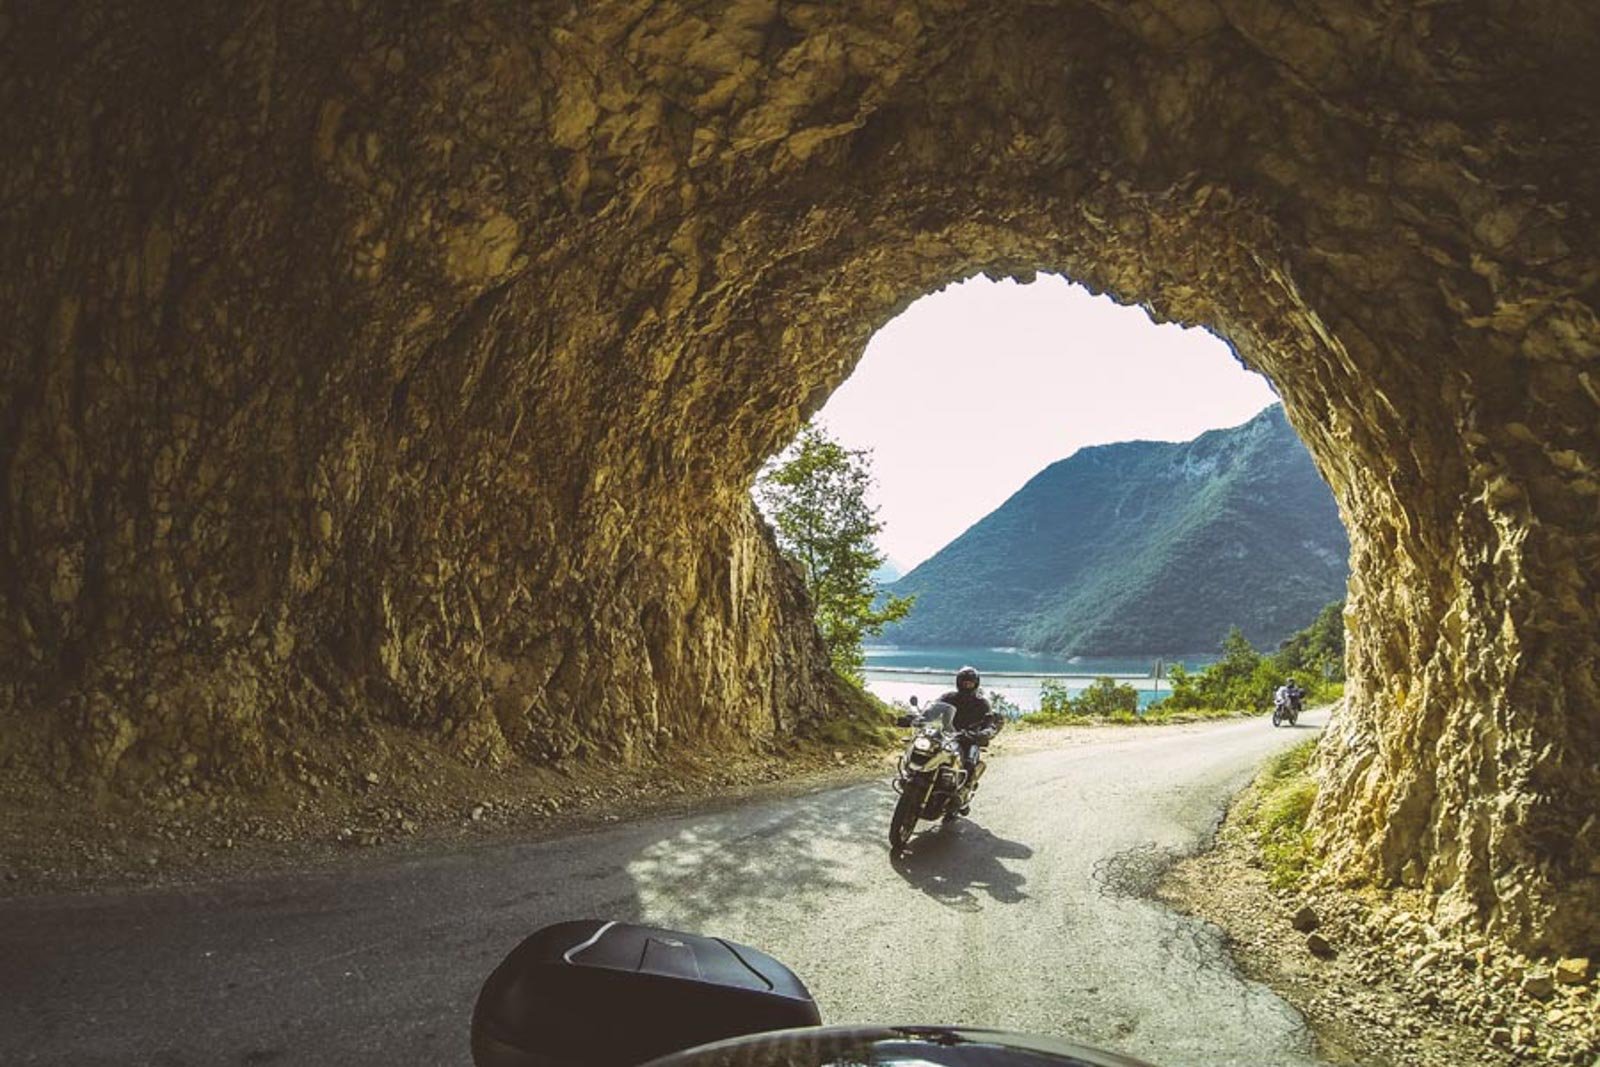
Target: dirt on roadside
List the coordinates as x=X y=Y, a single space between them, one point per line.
x=387 y=793
x=1377 y=983
x=374 y=797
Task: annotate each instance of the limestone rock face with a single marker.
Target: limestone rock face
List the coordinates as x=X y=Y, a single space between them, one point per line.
x=412 y=361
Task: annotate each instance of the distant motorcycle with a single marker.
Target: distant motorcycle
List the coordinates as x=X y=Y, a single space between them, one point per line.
x=931 y=780
x=1285 y=706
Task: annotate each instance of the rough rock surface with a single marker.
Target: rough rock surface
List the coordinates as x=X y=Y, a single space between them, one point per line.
x=1388 y=988
x=410 y=362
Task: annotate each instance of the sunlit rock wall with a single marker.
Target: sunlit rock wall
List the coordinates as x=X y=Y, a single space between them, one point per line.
x=411 y=362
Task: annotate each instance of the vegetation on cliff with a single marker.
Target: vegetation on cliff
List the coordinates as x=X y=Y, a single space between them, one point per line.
x=815 y=493
x=1274 y=813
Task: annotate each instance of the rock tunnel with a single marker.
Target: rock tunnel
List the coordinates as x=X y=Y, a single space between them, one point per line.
x=411 y=363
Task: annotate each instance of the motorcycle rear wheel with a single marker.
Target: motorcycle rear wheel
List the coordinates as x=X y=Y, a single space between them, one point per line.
x=904 y=819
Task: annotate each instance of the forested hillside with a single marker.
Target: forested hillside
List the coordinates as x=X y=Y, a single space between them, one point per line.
x=1143 y=548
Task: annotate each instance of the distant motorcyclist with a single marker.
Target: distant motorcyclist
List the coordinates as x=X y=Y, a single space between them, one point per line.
x=1286 y=702
x=975 y=720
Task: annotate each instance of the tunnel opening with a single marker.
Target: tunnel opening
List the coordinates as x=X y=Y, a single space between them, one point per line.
x=965 y=409
x=427 y=386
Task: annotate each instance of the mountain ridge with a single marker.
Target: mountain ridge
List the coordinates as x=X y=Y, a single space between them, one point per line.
x=1142 y=547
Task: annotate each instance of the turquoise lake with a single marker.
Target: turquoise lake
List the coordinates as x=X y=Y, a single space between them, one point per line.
x=897 y=674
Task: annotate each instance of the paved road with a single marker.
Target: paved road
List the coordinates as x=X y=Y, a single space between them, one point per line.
x=1031 y=916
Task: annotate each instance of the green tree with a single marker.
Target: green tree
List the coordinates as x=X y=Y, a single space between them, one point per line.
x=1317 y=651
x=1239 y=657
x=1105 y=696
x=1245 y=679
x=815 y=494
x=1184 y=693
x=1054 y=699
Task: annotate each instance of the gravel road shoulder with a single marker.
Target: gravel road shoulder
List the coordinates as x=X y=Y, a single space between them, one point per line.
x=1388 y=989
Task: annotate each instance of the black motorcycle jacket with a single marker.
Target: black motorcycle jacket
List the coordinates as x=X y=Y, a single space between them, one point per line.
x=973 y=714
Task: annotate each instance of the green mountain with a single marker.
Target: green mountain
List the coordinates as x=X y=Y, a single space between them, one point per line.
x=1140 y=548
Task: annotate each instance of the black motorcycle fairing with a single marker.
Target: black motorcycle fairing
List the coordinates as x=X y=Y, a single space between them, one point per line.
x=555 y=1000
x=853 y=1046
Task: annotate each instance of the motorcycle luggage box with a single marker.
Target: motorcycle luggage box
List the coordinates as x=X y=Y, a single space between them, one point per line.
x=612 y=994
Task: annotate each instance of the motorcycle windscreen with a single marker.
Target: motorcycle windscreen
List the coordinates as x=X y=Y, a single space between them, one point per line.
x=941 y=713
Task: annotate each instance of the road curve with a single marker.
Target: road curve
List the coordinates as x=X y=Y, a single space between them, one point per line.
x=1033 y=915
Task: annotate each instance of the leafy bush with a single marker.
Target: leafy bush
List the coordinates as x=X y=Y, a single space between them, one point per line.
x=1104 y=698
x=1054 y=699
x=1244 y=679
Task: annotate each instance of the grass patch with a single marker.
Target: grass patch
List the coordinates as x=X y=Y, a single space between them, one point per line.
x=1052 y=718
x=1275 y=811
x=860 y=721
x=1156 y=716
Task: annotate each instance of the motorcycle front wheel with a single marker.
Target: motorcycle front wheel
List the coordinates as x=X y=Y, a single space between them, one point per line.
x=904 y=819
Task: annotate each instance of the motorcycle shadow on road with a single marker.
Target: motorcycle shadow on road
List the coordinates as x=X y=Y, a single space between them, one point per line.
x=954 y=863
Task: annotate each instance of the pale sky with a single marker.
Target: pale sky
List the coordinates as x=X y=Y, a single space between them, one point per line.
x=976 y=388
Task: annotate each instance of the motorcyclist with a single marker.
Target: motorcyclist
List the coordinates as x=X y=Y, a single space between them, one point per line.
x=1295 y=694
x=974 y=720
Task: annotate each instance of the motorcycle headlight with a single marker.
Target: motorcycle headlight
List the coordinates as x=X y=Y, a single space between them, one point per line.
x=922 y=744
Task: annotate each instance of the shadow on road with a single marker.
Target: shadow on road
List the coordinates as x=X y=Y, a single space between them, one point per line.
x=951 y=862
x=712 y=867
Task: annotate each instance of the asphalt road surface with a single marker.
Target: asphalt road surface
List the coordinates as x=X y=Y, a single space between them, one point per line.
x=1033 y=915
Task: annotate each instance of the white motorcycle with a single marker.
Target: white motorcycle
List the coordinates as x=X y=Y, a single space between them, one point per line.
x=1285 y=707
x=931 y=780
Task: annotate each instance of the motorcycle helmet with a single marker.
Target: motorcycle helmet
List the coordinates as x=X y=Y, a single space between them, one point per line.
x=967 y=674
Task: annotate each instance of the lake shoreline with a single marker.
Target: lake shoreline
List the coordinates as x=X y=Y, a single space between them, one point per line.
x=896 y=673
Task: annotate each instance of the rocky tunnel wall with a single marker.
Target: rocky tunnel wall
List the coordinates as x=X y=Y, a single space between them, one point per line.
x=411 y=362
